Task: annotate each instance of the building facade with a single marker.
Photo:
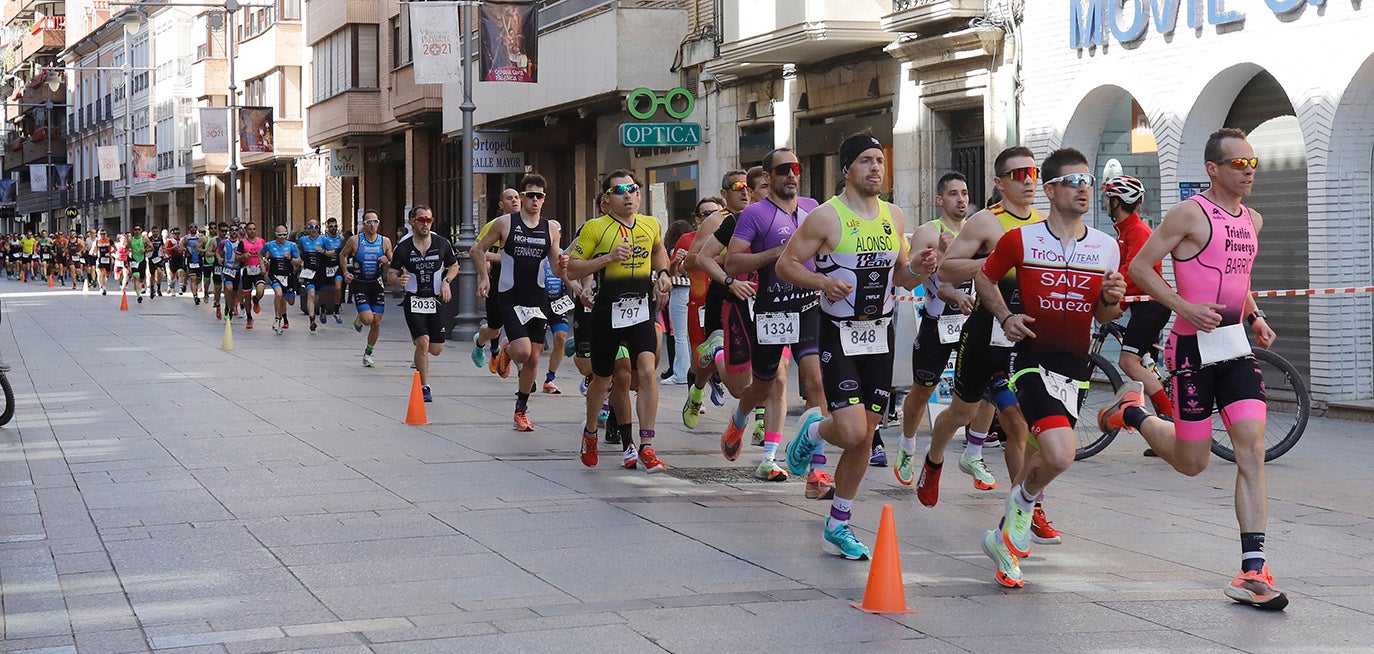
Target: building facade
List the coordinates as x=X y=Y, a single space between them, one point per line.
x=35 y=108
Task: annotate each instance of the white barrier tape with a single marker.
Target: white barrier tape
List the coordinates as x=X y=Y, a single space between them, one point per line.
x=1284 y=293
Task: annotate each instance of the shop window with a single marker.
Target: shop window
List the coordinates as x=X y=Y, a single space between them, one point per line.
x=671 y=193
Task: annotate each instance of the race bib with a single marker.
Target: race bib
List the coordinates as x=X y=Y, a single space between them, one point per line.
x=307 y=273
x=104 y=260
x=254 y=270
x=561 y=305
x=630 y=311
x=331 y=271
x=778 y=328
x=156 y=260
x=1223 y=344
x=194 y=266
x=424 y=304
x=47 y=256
x=1063 y=389
x=751 y=307
x=951 y=326
x=860 y=337
x=701 y=316
x=526 y=314
x=282 y=281
x=999 y=336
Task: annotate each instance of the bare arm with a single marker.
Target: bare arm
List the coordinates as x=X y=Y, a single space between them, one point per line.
x=821 y=230
x=739 y=261
x=497 y=232
x=706 y=228
x=1013 y=324
x=906 y=273
x=979 y=235
x=1174 y=232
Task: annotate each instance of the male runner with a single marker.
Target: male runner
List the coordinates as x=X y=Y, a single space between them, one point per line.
x=232 y=262
x=252 y=283
x=1067 y=277
x=210 y=250
x=560 y=305
x=175 y=252
x=942 y=318
x=857 y=243
x=29 y=261
x=624 y=250
x=283 y=258
x=527 y=240
x=1213 y=239
x=426 y=266
x=104 y=259
x=45 y=253
x=331 y=287
x=312 y=276
x=60 y=258
x=156 y=259
x=191 y=246
x=489 y=332
x=730 y=347
x=786 y=317
x=364 y=257
x=982 y=368
x=699 y=295
x=736 y=191
x=140 y=247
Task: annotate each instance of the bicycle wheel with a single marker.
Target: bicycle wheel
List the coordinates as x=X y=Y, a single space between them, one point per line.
x=1289 y=405
x=9 y=400
x=1103 y=382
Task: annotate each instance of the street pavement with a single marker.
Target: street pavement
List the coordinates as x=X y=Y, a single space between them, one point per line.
x=158 y=493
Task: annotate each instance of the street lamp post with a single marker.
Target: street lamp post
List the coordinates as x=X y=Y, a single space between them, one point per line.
x=467 y=318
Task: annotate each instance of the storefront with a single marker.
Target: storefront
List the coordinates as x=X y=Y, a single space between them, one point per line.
x=1148 y=91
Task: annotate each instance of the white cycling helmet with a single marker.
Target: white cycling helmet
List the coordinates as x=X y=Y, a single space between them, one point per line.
x=1128 y=189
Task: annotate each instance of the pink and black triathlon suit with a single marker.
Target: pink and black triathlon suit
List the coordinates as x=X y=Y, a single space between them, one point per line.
x=1219 y=273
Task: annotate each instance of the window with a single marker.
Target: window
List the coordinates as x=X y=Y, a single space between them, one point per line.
x=400 y=40
x=289 y=9
x=345 y=60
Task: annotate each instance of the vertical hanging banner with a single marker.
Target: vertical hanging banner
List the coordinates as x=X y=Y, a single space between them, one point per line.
x=255 y=129
x=214 y=130
x=38 y=178
x=108 y=158
x=509 y=35
x=310 y=170
x=145 y=161
x=64 y=176
x=434 y=34
x=7 y=191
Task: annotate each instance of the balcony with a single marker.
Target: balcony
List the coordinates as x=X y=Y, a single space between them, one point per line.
x=210 y=78
x=37 y=93
x=771 y=33
x=46 y=41
x=411 y=101
x=22 y=151
x=927 y=17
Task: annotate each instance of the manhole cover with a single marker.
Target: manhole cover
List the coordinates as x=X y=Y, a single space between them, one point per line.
x=716 y=475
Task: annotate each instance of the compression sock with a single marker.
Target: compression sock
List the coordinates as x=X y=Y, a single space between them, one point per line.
x=771 y=439
x=839 y=512
x=1252 y=551
x=973 y=444
x=368 y=349
x=548 y=378
x=1134 y=417
x=1163 y=405
x=522 y=401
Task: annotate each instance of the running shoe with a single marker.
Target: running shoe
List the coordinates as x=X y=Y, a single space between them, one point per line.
x=102 y=290
x=982 y=479
x=367 y=358
x=219 y=313
x=197 y=298
x=1112 y=416
x=841 y=541
x=691 y=410
x=731 y=440
x=1008 y=566
x=819 y=485
x=1257 y=589
x=928 y=487
x=503 y=364
x=1042 y=530
x=906 y=467
x=140 y=298
x=602 y=417
x=717 y=391
x=257 y=307
x=769 y=470
x=479 y=353
x=706 y=354
x=588 y=454
x=649 y=461
x=313 y=325
x=493 y=362
x=878 y=457
x=358 y=324
x=582 y=388
x=630 y=458
x=551 y=389
x=759 y=434
x=1016 y=526
x=800 y=448
x=249 y=323
x=424 y=390
x=285 y=323
x=522 y=422
x=276 y=325
x=338 y=320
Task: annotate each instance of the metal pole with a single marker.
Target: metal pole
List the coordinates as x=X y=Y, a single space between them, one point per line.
x=232 y=7
x=468 y=317
x=47 y=106
x=128 y=218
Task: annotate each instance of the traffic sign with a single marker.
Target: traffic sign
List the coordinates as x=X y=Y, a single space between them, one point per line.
x=660 y=135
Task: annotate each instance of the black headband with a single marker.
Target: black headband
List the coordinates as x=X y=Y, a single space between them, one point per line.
x=855 y=146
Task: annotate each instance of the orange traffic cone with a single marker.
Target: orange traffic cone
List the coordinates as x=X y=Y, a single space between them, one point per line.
x=124 y=301
x=415 y=413
x=885 y=592
x=50 y=284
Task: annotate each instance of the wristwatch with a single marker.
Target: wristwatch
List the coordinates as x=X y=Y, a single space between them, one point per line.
x=728 y=281
x=1250 y=319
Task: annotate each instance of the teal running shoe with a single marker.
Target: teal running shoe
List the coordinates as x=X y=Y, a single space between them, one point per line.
x=800 y=449
x=840 y=541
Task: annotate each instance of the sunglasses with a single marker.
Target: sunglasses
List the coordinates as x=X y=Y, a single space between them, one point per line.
x=706 y=212
x=282 y=234
x=1074 y=180
x=624 y=189
x=312 y=226
x=1023 y=174
x=737 y=186
x=783 y=170
x=373 y=221
x=424 y=219
x=534 y=195
x=1239 y=163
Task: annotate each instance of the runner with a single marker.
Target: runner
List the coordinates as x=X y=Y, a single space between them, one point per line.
x=331 y=292
x=191 y=246
x=312 y=277
x=426 y=266
x=252 y=283
x=156 y=262
x=699 y=293
x=527 y=241
x=283 y=258
x=941 y=318
x=1066 y=274
x=857 y=243
x=213 y=264
x=625 y=252
x=232 y=258
x=61 y=258
x=364 y=256
x=1208 y=349
x=90 y=256
x=140 y=247
x=175 y=251
x=560 y=306
x=45 y=254
x=121 y=260
x=488 y=334
x=29 y=261
x=104 y=260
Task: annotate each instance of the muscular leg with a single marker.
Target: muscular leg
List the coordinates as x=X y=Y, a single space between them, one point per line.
x=422 y=349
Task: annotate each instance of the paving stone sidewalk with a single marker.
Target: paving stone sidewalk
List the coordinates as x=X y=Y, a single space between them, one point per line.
x=159 y=494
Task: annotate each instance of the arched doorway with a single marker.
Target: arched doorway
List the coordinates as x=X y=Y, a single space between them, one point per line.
x=1109 y=124
x=1350 y=174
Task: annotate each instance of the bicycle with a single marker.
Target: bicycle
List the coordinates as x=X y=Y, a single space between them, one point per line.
x=9 y=392
x=1289 y=401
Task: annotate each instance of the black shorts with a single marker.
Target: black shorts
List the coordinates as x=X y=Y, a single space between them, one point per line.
x=284 y=284
x=716 y=296
x=1042 y=410
x=739 y=335
x=493 y=307
x=248 y=282
x=606 y=341
x=765 y=359
x=582 y=332
x=929 y=357
x=195 y=269
x=178 y=263
x=1147 y=321
x=424 y=324
x=222 y=276
x=368 y=295
x=1236 y=387
x=155 y=265
x=138 y=268
x=88 y=260
x=981 y=370
x=854 y=380
x=533 y=328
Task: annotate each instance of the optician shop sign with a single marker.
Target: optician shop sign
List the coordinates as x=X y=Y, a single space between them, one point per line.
x=494 y=152
x=1128 y=20
x=644 y=104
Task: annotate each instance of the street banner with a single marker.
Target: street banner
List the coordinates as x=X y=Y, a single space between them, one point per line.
x=7 y=191
x=108 y=157
x=345 y=162
x=509 y=37
x=255 y=129
x=38 y=178
x=64 y=176
x=434 y=39
x=145 y=161
x=310 y=170
x=214 y=130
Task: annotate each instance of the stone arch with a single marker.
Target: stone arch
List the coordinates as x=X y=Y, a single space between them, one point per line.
x=1088 y=131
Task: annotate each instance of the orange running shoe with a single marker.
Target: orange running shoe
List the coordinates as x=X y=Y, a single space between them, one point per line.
x=503 y=363
x=731 y=440
x=589 y=454
x=819 y=485
x=1112 y=417
x=1042 y=530
x=649 y=461
x=494 y=364
x=522 y=422
x=928 y=486
x=1257 y=589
